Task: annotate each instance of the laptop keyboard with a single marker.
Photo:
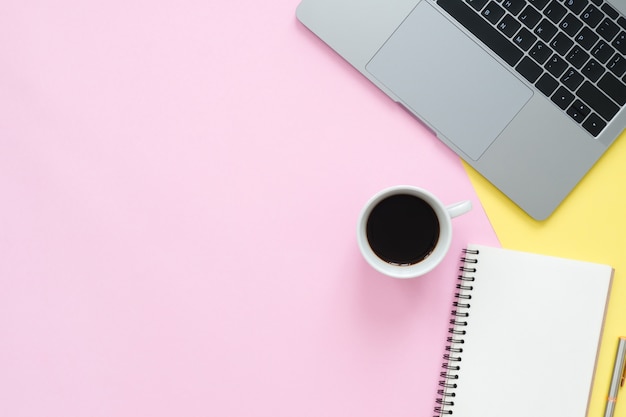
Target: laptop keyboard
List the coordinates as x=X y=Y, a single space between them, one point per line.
x=573 y=51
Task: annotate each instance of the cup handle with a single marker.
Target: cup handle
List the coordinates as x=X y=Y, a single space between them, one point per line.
x=459 y=208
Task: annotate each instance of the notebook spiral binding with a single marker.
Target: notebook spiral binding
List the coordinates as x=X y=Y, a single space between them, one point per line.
x=458 y=320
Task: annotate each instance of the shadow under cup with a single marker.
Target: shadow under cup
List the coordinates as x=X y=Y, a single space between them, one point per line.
x=405 y=232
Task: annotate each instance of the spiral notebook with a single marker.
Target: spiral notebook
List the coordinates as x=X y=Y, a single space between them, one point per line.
x=524 y=335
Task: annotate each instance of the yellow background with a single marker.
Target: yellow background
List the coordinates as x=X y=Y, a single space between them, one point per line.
x=590 y=225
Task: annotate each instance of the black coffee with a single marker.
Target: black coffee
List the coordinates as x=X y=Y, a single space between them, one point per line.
x=402 y=229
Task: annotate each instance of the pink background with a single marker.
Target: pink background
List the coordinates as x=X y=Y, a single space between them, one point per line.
x=180 y=186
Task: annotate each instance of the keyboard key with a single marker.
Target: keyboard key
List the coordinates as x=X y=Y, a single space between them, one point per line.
x=562 y=97
x=554 y=11
x=570 y=24
x=545 y=30
x=574 y=114
x=602 y=51
x=492 y=12
x=622 y=22
x=607 y=29
x=524 y=39
x=547 y=84
x=617 y=65
x=610 y=12
x=593 y=70
x=555 y=65
x=561 y=43
x=539 y=4
x=613 y=87
x=540 y=52
x=529 y=69
x=514 y=6
x=529 y=17
x=578 y=111
x=581 y=107
x=508 y=25
x=477 y=4
x=572 y=79
x=586 y=38
x=482 y=30
x=594 y=124
x=577 y=56
x=597 y=100
x=576 y=6
x=592 y=16
x=620 y=43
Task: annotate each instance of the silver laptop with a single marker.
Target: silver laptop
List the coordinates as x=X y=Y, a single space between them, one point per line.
x=530 y=93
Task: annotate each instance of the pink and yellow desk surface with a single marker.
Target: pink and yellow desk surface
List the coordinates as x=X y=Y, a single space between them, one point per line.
x=180 y=183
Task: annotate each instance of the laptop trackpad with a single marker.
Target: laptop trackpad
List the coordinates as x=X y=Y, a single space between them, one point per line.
x=449 y=80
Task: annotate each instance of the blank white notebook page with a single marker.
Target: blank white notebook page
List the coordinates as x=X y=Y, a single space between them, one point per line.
x=531 y=335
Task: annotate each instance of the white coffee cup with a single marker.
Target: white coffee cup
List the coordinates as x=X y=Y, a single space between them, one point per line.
x=386 y=206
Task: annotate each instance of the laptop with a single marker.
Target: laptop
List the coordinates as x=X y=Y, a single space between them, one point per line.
x=530 y=93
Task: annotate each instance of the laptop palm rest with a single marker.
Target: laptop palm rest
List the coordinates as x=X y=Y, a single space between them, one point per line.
x=458 y=89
